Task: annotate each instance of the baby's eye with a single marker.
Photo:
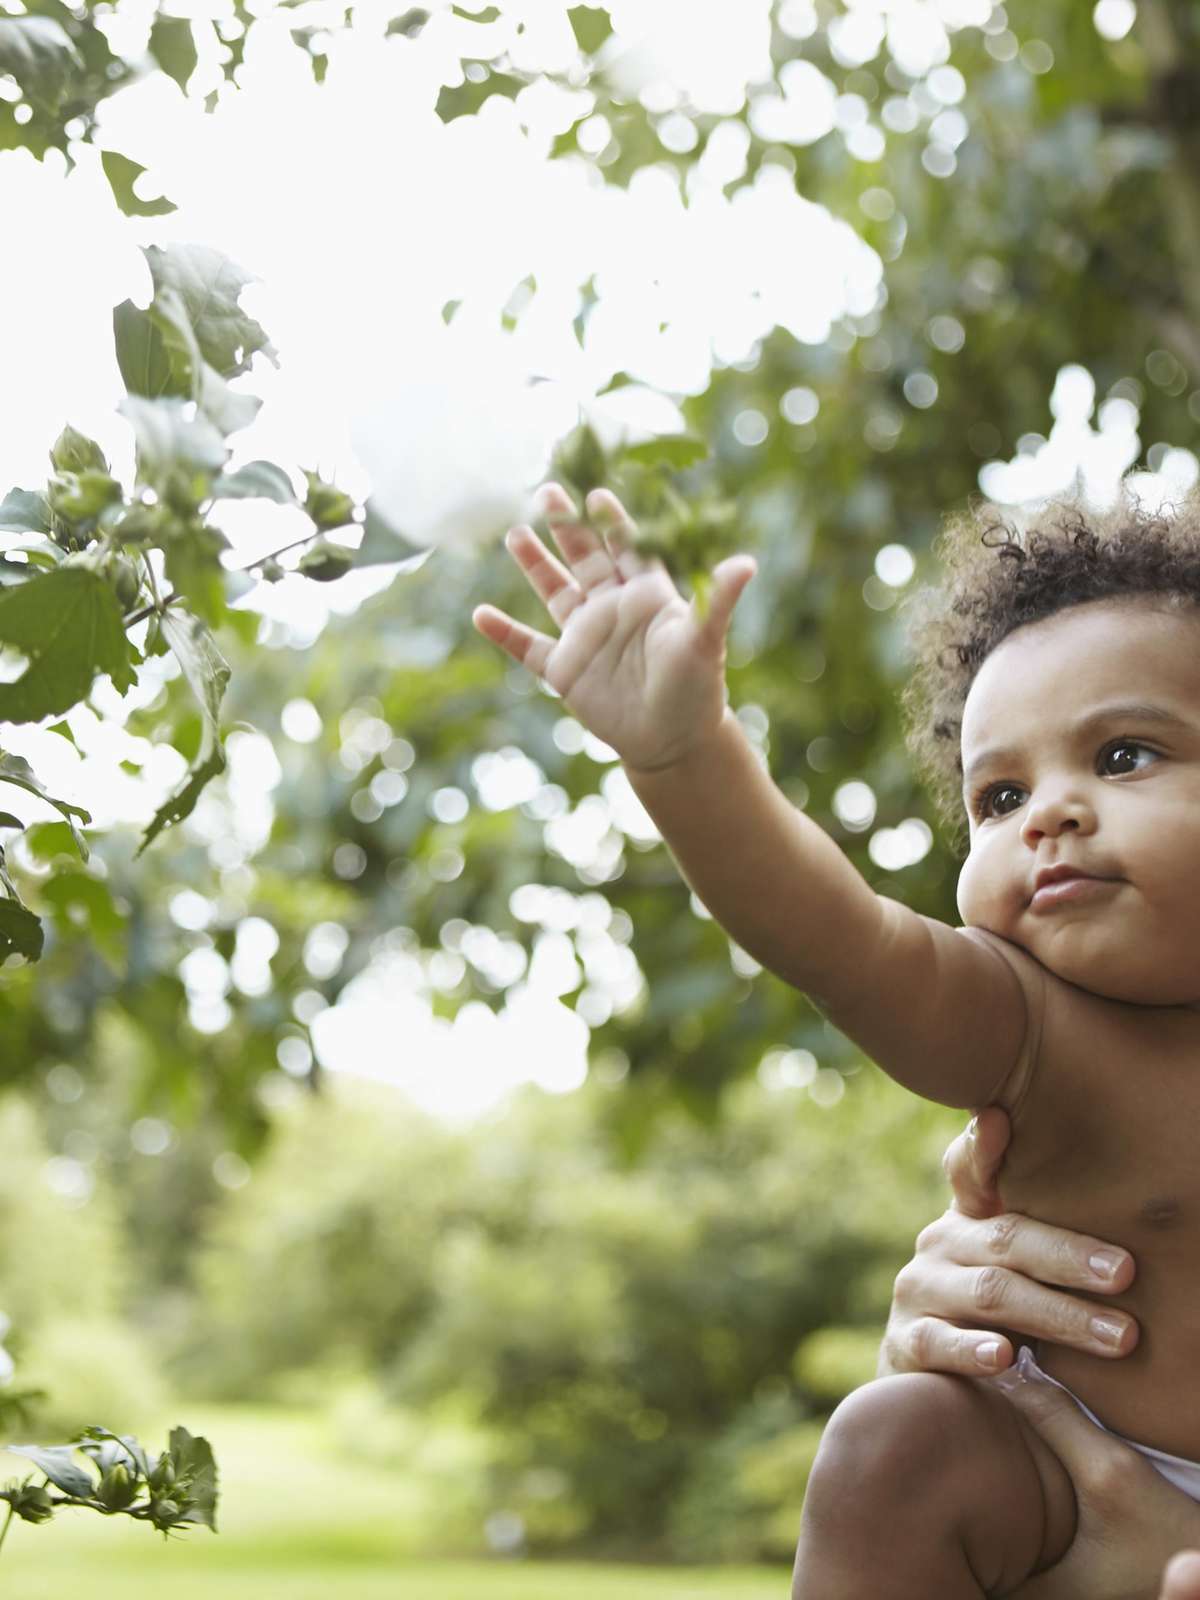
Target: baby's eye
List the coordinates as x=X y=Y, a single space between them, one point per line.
x=999 y=800
x=1125 y=755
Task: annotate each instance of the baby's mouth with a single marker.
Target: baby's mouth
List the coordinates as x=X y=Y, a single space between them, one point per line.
x=1064 y=885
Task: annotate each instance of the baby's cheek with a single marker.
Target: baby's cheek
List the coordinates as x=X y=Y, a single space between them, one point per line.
x=974 y=900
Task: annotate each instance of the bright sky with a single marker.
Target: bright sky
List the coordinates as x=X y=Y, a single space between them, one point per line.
x=364 y=215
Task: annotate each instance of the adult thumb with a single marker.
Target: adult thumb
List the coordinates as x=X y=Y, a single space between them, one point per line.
x=1053 y=1413
x=1181 y=1581
x=729 y=578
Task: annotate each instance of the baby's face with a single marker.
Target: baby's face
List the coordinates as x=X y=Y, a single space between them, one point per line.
x=1081 y=756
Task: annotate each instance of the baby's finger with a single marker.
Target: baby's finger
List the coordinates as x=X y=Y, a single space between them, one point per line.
x=549 y=579
x=615 y=523
x=591 y=565
x=523 y=644
x=729 y=579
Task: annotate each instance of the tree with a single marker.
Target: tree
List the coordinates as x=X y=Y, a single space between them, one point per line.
x=1030 y=187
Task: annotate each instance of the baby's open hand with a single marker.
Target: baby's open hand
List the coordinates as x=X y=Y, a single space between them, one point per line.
x=641 y=668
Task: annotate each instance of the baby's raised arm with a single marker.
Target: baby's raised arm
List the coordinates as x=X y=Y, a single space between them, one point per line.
x=940 y=1010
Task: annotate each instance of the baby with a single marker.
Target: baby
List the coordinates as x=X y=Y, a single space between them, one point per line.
x=1058 y=687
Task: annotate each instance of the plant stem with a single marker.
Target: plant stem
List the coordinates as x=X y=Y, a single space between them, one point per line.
x=7 y=1520
x=161 y=605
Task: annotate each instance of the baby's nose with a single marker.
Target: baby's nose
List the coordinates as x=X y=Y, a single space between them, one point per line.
x=1050 y=815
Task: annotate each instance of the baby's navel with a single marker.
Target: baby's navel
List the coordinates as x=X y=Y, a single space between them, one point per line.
x=1160 y=1211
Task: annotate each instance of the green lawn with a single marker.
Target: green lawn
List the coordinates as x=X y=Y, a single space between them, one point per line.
x=296 y=1525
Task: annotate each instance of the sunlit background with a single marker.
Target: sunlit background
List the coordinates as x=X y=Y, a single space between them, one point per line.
x=452 y=424
x=867 y=250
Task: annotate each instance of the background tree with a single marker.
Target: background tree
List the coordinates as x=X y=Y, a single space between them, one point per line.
x=397 y=800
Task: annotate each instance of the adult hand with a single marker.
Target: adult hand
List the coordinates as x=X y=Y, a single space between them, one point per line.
x=1130 y=1518
x=980 y=1265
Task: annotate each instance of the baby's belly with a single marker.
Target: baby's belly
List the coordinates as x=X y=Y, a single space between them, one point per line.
x=1152 y=1395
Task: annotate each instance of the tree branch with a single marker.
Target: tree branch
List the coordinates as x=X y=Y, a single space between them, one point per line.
x=161 y=605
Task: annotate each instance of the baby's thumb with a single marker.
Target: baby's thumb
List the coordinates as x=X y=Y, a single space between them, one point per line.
x=729 y=578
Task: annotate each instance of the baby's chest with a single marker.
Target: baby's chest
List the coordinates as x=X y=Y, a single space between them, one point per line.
x=1108 y=1141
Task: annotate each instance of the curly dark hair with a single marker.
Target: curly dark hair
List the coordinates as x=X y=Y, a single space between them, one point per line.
x=996 y=579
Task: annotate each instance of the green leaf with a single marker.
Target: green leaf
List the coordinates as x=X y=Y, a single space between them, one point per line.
x=69 y=627
x=382 y=545
x=207 y=673
x=16 y=770
x=592 y=26
x=676 y=450
x=106 y=1448
x=410 y=24
x=170 y=316
x=193 y=565
x=225 y=408
x=123 y=173
x=257 y=480
x=158 y=354
x=465 y=99
x=167 y=437
x=24 y=511
x=58 y=1462
x=7 y=820
x=193 y=1460
x=174 y=48
x=209 y=283
x=49 y=841
x=39 y=54
x=142 y=355
x=80 y=901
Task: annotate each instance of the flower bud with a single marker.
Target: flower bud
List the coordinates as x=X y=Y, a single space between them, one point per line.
x=31 y=1502
x=117 y=1487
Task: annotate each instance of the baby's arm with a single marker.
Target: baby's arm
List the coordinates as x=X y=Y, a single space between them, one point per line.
x=939 y=1009
x=644 y=671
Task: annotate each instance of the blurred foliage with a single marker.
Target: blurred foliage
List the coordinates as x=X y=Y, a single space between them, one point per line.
x=645 y=1354
x=649 y=1344
x=1060 y=236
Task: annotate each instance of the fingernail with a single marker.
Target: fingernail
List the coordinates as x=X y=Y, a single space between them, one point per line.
x=1107 y=1330
x=1105 y=1263
x=987 y=1354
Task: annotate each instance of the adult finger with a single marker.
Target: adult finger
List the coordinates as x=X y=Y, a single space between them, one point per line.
x=952 y=1279
x=530 y=648
x=548 y=578
x=1083 y=1447
x=972 y=1162
x=591 y=564
x=1036 y=1250
x=1014 y=1301
x=930 y=1344
x=1181 y=1580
